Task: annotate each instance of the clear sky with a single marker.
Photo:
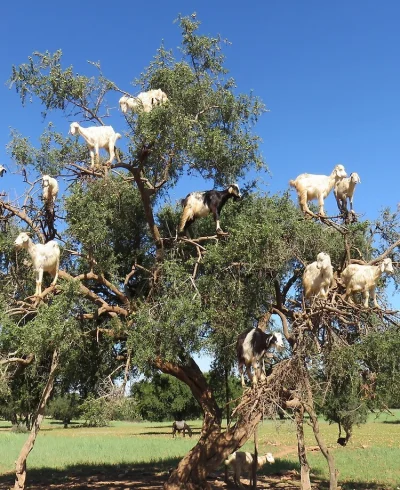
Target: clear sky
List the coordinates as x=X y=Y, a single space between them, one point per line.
x=329 y=73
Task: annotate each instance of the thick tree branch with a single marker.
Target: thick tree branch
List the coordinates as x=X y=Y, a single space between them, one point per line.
x=21 y=361
x=104 y=307
x=24 y=217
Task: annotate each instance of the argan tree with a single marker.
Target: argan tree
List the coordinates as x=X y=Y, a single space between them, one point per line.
x=132 y=295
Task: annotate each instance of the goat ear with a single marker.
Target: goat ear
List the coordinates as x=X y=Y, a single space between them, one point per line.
x=383 y=267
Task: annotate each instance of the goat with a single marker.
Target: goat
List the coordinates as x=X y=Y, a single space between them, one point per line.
x=45 y=258
x=318 y=277
x=251 y=347
x=181 y=426
x=310 y=186
x=363 y=278
x=199 y=204
x=241 y=462
x=344 y=189
x=98 y=137
x=2 y=170
x=145 y=101
x=50 y=189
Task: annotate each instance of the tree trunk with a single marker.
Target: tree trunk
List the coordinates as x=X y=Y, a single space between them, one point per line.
x=20 y=465
x=255 y=461
x=209 y=453
x=227 y=395
x=301 y=450
x=333 y=472
x=213 y=446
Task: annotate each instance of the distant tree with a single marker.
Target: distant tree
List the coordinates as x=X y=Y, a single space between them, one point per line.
x=163 y=397
x=344 y=402
x=96 y=412
x=65 y=408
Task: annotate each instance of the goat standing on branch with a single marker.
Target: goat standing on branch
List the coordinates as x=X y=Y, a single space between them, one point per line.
x=344 y=189
x=145 y=101
x=251 y=347
x=363 y=279
x=98 y=137
x=181 y=426
x=50 y=190
x=310 y=186
x=318 y=277
x=200 y=204
x=45 y=258
x=241 y=462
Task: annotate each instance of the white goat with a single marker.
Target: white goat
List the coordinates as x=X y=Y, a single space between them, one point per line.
x=318 y=277
x=50 y=189
x=344 y=189
x=241 y=461
x=363 y=278
x=311 y=186
x=98 y=137
x=45 y=258
x=144 y=101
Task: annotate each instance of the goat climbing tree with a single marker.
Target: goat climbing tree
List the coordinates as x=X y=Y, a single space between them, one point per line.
x=125 y=275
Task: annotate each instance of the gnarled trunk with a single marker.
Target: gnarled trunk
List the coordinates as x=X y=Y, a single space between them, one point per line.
x=213 y=446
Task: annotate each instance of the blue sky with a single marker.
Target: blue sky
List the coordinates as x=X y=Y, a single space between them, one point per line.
x=328 y=72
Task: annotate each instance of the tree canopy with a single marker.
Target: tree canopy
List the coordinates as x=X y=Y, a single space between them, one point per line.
x=134 y=297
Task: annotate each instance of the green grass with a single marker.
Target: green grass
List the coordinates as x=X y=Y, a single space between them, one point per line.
x=369 y=461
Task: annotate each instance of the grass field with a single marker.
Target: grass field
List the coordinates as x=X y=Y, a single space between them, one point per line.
x=370 y=461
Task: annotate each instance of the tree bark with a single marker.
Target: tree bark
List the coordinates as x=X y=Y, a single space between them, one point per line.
x=227 y=395
x=301 y=450
x=255 y=461
x=20 y=465
x=213 y=446
x=333 y=472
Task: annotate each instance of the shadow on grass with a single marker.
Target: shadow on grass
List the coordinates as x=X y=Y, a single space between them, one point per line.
x=391 y=421
x=168 y=433
x=96 y=477
x=146 y=476
x=165 y=427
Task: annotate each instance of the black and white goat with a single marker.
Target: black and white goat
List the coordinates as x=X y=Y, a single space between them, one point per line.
x=251 y=346
x=199 y=204
x=181 y=426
